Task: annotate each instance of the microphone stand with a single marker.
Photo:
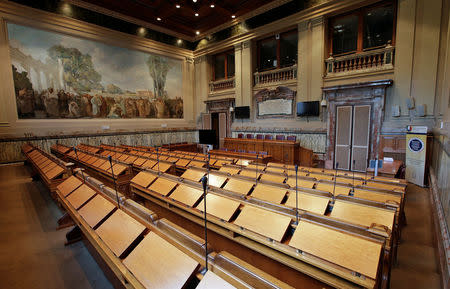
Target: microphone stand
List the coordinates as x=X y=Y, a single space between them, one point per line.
x=157 y=158
x=334 y=187
x=78 y=160
x=114 y=180
x=205 y=187
x=256 y=174
x=296 y=194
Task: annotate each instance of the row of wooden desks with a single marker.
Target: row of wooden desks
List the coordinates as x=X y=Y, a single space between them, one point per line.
x=140 y=253
x=242 y=155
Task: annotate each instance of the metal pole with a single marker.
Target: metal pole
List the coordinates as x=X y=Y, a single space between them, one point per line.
x=78 y=160
x=114 y=180
x=296 y=194
x=205 y=186
x=335 y=174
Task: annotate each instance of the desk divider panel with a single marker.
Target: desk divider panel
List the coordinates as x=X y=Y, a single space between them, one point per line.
x=162 y=186
x=308 y=202
x=119 y=231
x=158 y=264
x=69 y=185
x=352 y=252
x=143 y=179
x=266 y=223
x=269 y=193
x=80 y=196
x=186 y=195
x=238 y=186
x=96 y=210
x=362 y=214
x=220 y=207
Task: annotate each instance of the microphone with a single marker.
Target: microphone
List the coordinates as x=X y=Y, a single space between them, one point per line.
x=78 y=160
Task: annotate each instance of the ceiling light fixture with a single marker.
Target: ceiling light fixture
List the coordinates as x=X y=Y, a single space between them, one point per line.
x=233 y=16
x=195 y=1
x=178 y=6
x=196 y=14
x=159 y=19
x=212 y=6
x=197 y=32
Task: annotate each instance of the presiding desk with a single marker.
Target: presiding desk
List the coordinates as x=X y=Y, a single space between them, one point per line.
x=239 y=155
x=284 y=151
x=389 y=169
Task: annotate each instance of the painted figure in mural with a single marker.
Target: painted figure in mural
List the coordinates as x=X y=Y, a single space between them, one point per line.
x=51 y=103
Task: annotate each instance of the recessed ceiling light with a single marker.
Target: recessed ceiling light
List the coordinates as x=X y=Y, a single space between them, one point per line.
x=178 y=6
x=196 y=14
x=233 y=16
x=159 y=19
x=195 y=1
x=197 y=32
x=179 y=41
x=212 y=6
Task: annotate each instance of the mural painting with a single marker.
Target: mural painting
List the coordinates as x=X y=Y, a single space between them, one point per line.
x=60 y=76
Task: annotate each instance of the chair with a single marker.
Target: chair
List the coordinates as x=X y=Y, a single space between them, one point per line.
x=292 y=137
x=280 y=137
x=241 y=135
x=241 y=151
x=259 y=136
x=249 y=136
x=263 y=153
x=268 y=137
x=223 y=149
x=252 y=152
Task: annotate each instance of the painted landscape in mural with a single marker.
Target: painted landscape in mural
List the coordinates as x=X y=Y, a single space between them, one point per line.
x=59 y=76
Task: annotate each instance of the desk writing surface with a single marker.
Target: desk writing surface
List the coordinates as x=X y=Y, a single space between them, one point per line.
x=338 y=190
x=275 y=170
x=220 y=163
x=143 y=179
x=148 y=164
x=186 y=195
x=45 y=163
x=211 y=280
x=96 y=210
x=349 y=251
x=69 y=185
x=377 y=196
x=163 y=167
x=216 y=180
x=291 y=173
x=269 y=193
x=182 y=162
x=321 y=176
x=388 y=179
x=158 y=264
x=250 y=173
x=99 y=162
x=54 y=172
x=301 y=183
x=122 y=157
x=263 y=222
x=131 y=159
x=117 y=169
x=196 y=164
x=361 y=214
x=230 y=170
x=308 y=202
x=119 y=231
x=49 y=167
x=139 y=161
x=238 y=186
x=272 y=164
x=242 y=162
x=220 y=207
x=162 y=186
x=349 y=181
x=80 y=196
x=273 y=178
x=193 y=175
x=105 y=166
x=384 y=186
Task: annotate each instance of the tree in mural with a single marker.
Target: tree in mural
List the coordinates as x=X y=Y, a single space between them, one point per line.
x=79 y=72
x=21 y=80
x=158 y=67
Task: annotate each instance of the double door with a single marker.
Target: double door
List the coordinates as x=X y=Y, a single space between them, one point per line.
x=352 y=137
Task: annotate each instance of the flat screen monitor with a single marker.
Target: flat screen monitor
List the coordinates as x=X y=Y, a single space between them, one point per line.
x=308 y=108
x=242 y=112
x=207 y=136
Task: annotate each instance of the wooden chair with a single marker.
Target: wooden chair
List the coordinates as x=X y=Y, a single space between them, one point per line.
x=280 y=137
x=241 y=135
x=259 y=136
x=249 y=136
x=268 y=137
x=292 y=138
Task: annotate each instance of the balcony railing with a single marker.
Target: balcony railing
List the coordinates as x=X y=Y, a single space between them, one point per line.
x=368 y=61
x=222 y=84
x=277 y=75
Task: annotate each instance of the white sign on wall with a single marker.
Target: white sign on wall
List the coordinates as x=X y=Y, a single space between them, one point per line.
x=275 y=107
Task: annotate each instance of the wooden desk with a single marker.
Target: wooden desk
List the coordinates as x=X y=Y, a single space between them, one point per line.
x=197 y=164
x=230 y=170
x=96 y=210
x=193 y=175
x=158 y=264
x=220 y=207
x=216 y=180
x=238 y=186
x=273 y=178
x=243 y=155
x=143 y=179
x=385 y=186
x=250 y=173
x=308 y=202
x=263 y=222
x=301 y=183
x=211 y=280
x=269 y=193
x=351 y=252
x=338 y=190
x=80 y=196
x=69 y=185
x=162 y=186
x=362 y=215
x=281 y=151
x=119 y=231
x=378 y=196
x=275 y=170
x=389 y=169
x=186 y=195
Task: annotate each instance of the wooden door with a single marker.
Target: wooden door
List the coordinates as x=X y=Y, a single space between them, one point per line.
x=342 y=150
x=222 y=128
x=360 y=137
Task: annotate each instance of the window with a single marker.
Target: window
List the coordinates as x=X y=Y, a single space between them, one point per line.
x=277 y=51
x=366 y=28
x=223 y=65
